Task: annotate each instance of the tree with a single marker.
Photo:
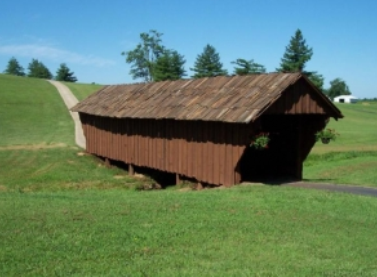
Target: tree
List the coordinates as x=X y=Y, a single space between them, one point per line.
x=245 y=67
x=297 y=53
x=144 y=56
x=338 y=87
x=14 y=68
x=169 y=66
x=63 y=74
x=208 y=64
x=317 y=79
x=38 y=70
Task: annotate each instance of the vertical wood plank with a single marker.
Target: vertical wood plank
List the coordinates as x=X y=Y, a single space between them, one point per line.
x=222 y=151
x=131 y=170
x=210 y=145
x=216 y=155
x=229 y=169
x=235 y=154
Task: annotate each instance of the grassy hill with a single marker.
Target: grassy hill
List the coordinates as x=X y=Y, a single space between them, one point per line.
x=62 y=213
x=81 y=91
x=31 y=113
x=358 y=130
x=352 y=158
x=37 y=150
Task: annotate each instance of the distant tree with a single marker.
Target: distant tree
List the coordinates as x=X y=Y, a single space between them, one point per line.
x=317 y=79
x=63 y=74
x=38 y=70
x=145 y=55
x=14 y=68
x=338 y=87
x=208 y=64
x=244 y=67
x=169 y=66
x=297 y=53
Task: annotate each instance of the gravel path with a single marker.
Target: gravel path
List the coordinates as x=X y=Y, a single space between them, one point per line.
x=70 y=100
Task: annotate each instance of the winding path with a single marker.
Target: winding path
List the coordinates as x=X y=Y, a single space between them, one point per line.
x=70 y=100
x=337 y=188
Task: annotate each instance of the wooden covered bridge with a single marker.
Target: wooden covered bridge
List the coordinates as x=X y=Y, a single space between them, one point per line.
x=201 y=129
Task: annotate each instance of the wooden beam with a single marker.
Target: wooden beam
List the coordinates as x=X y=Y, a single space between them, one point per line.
x=299 y=157
x=131 y=170
x=177 y=179
x=199 y=186
x=107 y=162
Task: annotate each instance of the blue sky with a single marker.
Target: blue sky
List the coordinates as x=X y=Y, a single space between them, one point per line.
x=89 y=36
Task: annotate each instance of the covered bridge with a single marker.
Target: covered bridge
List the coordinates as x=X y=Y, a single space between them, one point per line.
x=201 y=129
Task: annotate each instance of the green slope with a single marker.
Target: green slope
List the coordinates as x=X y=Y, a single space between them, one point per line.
x=93 y=229
x=37 y=149
x=352 y=158
x=32 y=113
x=358 y=129
x=81 y=91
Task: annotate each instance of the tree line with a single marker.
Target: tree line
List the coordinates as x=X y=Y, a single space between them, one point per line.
x=37 y=69
x=153 y=62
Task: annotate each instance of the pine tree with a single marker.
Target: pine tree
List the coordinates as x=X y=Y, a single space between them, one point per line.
x=63 y=74
x=169 y=66
x=208 y=64
x=38 y=70
x=245 y=67
x=14 y=68
x=297 y=53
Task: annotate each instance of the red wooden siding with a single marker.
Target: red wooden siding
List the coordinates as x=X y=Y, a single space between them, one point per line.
x=206 y=151
x=299 y=99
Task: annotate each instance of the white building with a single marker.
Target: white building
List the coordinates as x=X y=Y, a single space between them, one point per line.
x=345 y=99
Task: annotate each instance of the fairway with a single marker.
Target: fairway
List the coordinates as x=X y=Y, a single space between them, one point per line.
x=63 y=213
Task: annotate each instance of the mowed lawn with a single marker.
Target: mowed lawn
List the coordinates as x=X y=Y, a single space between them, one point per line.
x=81 y=91
x=32 y=113
x=62 y=213
x=243 y=231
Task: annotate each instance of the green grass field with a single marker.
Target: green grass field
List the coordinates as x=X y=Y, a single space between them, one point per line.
x=352 y=158
x=62 y=213
x=358 y=130
x=31 y=113
x=243 y=231
x=81 y=91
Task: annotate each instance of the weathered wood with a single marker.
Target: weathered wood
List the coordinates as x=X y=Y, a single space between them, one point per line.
x=299 y=161
x=209 y=152
x=131 y=170
x=177 y=179
x=107 y=162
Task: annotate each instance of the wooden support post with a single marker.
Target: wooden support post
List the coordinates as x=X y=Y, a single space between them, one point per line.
x=199 y=186
x=299 y=157
x=177 y=179
x=107 y=162
x=131 y=170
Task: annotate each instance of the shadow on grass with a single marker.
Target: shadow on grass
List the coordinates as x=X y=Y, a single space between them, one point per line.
x=319 y=180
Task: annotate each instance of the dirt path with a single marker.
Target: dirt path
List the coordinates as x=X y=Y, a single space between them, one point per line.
x=70 y=100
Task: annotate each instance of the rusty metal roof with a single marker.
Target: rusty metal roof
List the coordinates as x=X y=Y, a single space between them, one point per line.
x=226 y=99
